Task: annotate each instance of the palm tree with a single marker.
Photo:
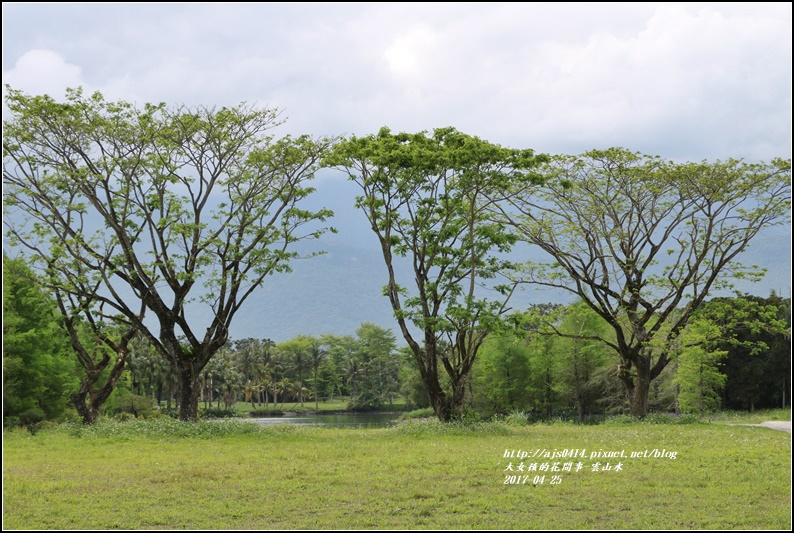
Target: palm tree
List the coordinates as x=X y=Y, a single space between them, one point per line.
x=265 y=385
x=317 y=355
x=281 y=387
x=251 y=390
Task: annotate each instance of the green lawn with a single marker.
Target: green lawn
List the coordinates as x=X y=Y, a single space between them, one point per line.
x=744 y=417
x=337 y=404
x=166 y=474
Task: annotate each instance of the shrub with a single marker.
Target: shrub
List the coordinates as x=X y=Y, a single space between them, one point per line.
x=123 y=417
x=218 y=412
x=31 y=416
x=515 y=418
x=10 y=422
x=135 y=405
x=654 y=419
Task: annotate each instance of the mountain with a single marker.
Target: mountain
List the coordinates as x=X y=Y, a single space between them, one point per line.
x=338 y=291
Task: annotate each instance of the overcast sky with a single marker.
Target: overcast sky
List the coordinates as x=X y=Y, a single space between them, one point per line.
x=687 y=81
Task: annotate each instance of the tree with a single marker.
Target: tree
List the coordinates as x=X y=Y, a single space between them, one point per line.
x=296 y=352
x=698 y=374
x=425 y=198
x=643 y=242
x=166 y=207
x=149 y=372
x=253 y=359
x=341 y=350
x=317 y=354
x=501 y=375
x=755 y=335
x=377 y=367
x=581 y=358
x=39 y=370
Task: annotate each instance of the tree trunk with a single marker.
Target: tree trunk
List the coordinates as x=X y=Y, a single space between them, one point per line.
x=642 y=385
x=447 y=408
x=316 y=400
x=90 y=413
x=188 y=393
x=458 y=395
x=87 y=400
x=440 y=405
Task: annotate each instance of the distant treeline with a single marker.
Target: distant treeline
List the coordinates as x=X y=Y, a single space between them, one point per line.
x=526 y=368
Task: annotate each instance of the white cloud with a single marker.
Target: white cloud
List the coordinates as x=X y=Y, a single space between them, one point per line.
x=43 y=72
x=702 y=80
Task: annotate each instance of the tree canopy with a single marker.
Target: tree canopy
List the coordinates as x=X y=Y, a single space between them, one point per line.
x=134 y=211
x=644 y=241
x=426 y=197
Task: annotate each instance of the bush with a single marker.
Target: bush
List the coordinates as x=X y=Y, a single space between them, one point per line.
x=31 y=416
x=159 y=428
x=217 y=412
x=10 y=422
x=43 y=425
x=430 y=427
x=515 y=418
x=135 y=405
x=70 y=416
x=123 y=417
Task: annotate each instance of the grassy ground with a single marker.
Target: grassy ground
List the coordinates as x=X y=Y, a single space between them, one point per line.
x=744 y=417
x=166 y=474
x=337 y=404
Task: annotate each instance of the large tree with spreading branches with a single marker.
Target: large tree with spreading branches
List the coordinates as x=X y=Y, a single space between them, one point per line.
x=645 y=241
x=426 y=198
x=154 y=211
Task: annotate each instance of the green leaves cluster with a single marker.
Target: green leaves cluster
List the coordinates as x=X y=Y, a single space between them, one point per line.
x=39 y=370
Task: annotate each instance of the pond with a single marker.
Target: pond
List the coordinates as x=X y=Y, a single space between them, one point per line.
x=336 y=420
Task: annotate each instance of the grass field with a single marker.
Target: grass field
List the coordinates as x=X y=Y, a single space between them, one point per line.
x=164 y=474
x=337 y=404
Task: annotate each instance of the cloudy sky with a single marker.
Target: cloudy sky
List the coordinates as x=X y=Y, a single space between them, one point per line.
x=687 y=81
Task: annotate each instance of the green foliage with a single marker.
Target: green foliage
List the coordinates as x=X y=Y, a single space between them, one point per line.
x=39 y=369
x=377 y=366
x=426 y=412
x=172 y=205
x=412 y=388
x=756 y=334
x=134 y=405
x=515 y=417
x=426 y=198
x=643 y=241
x=501 y=376
x=698 y=374
x=655 y=419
